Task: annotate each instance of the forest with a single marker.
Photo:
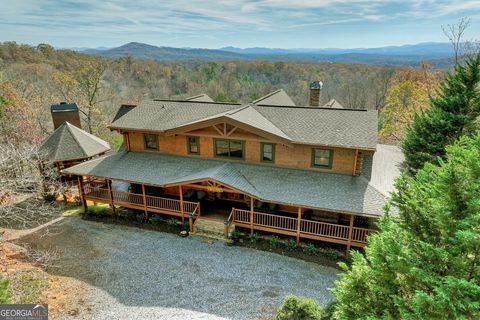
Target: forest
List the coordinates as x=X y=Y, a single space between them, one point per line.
x=34 y=77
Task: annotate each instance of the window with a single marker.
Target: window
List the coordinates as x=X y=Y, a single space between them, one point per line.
x=267 y=152
x=150 y=141
x=322 y=158
x=193 y=145
x=229 y=149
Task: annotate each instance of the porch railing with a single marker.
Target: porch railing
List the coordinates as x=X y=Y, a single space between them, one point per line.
x=128 y=198
x=308 y=228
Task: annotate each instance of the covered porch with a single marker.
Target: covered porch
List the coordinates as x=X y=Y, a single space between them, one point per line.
x=231 y=206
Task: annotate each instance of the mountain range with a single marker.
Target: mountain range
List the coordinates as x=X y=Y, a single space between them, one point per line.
x=437 y=54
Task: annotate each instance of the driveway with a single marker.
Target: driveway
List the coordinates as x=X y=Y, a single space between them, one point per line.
x=138 y=274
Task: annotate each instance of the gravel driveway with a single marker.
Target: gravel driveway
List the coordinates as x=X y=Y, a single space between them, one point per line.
x=139 y=274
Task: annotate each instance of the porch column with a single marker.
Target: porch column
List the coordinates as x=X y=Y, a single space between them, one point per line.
x=251 y=214
x=144 y=202
x=350 y=231
x=299 y=221
x=81 y=193
x=180 y=191
x=109 y=185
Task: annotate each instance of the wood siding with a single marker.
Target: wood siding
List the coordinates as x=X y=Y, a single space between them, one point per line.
x=292 y=155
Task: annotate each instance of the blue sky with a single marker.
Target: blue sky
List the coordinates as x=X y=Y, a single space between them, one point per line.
x=241 y=23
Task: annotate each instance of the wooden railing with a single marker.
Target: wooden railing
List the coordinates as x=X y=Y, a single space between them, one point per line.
x=274 y=221
x=127 y=198
x=308 y=228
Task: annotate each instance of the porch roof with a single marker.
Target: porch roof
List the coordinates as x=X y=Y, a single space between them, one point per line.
x=306 y=188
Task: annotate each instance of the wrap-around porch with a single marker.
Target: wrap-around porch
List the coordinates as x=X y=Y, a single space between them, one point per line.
x=187 y=200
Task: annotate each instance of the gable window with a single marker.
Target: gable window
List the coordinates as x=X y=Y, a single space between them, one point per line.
x=322 y=158
x=150 y=141
x=193 y=145
x=229 y=149
x=267 y=152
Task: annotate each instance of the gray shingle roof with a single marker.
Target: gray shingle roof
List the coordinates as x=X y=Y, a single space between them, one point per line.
x=123 y=110
x=276 y=98
x=333 y=104
x=68 y=142
x=200 y=98
x=308 y=188
x=322 y=126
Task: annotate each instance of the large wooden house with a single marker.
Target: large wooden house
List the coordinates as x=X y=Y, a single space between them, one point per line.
x=269 y=166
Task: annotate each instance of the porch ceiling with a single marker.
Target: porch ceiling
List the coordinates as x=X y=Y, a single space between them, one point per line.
x=306 y=188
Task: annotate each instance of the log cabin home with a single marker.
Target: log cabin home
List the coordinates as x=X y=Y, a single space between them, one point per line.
x=267 y=166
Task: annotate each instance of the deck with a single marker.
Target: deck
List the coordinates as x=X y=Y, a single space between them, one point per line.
x=297 y=227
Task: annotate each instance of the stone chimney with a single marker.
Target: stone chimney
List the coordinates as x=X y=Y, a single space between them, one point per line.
x=315 y=88
x=65 y=112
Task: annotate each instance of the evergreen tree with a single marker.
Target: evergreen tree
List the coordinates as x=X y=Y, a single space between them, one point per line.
x=425 y=262
x=452 y=113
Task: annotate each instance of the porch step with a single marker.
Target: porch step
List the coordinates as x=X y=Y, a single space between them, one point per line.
x=207 y=228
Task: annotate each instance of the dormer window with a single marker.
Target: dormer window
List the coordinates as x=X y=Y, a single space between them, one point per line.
x=322 y=158
x=150 y=141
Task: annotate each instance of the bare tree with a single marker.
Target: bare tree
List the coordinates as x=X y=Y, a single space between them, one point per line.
x=455 y=33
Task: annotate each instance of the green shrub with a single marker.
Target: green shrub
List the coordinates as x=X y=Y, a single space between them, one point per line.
x=291 y=244
x=253 y=237
x=274 y=241
x=130 y=215
x=186 y=226
x=235 y=235
x=172 y=222
x=140 y=217
x=332 y=253
x=329 y=310
x=5 y=295
x=310 y=249
x=298 y=308
x=155 y=219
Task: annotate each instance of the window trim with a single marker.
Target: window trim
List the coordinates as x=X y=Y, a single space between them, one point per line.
x=262 y=152
x=197 y=140
x=330 y=162
x=229 y=140
x=145 y=142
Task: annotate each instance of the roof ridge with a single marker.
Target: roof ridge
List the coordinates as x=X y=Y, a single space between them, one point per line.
x=267 y=96
x=69 y=127
x=204 y=102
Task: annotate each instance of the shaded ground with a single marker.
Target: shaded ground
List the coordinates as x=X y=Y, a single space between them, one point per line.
x=133 y=273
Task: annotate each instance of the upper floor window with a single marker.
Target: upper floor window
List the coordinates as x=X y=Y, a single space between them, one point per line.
x=267 y=152
x=150 y=141
x=193 y=145
x=322 y=158
x=229 y=148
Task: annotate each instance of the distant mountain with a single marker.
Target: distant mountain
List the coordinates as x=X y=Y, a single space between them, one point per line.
x=146 y=51
x=438 y=54
x=426 y=49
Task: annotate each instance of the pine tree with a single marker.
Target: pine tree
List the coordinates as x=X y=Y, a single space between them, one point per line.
x=425 y=262
x=452 y=113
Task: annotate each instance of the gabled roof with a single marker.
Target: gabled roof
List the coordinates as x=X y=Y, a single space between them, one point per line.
x=320 y=190
x=275 y=98
x=123 y=110
x=334 y=104
x=200 y=98
x=306 y=125
x=68 y=142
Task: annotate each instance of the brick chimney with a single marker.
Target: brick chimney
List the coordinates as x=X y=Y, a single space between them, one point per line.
x=315 y=88
x=65 y=112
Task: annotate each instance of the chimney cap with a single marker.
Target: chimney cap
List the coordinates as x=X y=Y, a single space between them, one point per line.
x=317 y=85
x=64 y=107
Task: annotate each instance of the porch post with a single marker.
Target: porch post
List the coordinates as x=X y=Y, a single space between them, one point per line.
x=180 y=191
x=251 y=214
x=144 y=201
x=299 y=221
x=109 y=184
x=81 y=193
x=350 y=231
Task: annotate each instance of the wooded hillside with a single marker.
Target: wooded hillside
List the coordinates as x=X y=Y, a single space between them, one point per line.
x=39 y=76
